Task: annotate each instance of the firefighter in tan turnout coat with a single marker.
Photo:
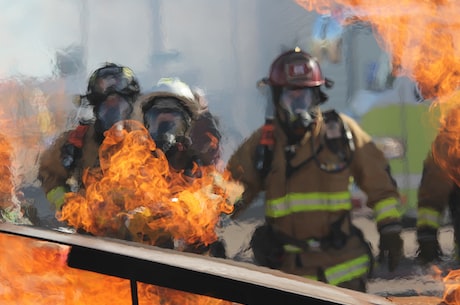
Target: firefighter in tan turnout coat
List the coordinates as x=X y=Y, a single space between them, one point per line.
x=304 y=159
x=112 y=92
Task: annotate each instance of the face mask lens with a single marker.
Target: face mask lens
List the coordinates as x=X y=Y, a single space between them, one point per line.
x=113 y=109
x=95 y=97
x=160 y=122
x=296 y=101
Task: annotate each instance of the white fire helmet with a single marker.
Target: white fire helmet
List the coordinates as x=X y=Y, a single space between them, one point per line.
x=172 y=87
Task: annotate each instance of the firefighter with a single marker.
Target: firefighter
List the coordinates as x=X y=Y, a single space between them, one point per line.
x=112 y=91
x=305 y=171
x=180 y=123
x=183 y=128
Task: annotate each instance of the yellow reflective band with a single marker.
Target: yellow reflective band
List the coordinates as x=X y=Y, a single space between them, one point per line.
x=308 y=202
x=56 y=196
x=427 y=217
x=347 y=271
x=387 y=208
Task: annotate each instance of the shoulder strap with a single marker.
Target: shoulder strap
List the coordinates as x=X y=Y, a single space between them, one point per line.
x=336 y=128
x=77 y=135
x=339 y=140
x=71 y=150
x=264 y=150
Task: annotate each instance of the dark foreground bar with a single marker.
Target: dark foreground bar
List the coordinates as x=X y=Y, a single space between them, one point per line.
x=220 y=278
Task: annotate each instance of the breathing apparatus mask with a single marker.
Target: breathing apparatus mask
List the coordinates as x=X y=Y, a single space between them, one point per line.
x=111 y=91
x=299 y=110
x=167 y=123
x=113 y=109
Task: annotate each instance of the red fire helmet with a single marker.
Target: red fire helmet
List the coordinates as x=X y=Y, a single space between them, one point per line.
x=295 y=68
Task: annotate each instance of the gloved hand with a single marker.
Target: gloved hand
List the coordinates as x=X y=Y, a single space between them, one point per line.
x=391 y=245
x=217 y=249
x=267 y=250
x=56 y=197
x=429 y=249
x=29 y=211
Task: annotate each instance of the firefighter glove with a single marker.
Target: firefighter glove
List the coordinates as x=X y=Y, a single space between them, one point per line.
x=56 y=197
x=428 y=245
x=391 y=245
x=267 y=250
x=217 y=249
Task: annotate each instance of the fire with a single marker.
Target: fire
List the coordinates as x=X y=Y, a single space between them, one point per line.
x=6 y=185
x=451 y=294
x=28 y=122
x=10 y=206
x=35 y=272
x=27 y=125
x=135 y=195
x=133 y=187
x=446 y=147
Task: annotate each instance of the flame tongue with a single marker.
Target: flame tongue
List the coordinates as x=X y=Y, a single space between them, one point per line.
x=10 y=205
x=6 y=184
x=446 y=146
x=451 y=294
x=135 y=195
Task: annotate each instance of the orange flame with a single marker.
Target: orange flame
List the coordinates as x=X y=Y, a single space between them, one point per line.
x=10 y=205
x=446 y=146
x=321 y=6
x=28 y=124
x=35 y=272
x=135 y=195
x=451 y=294
x=6 y=183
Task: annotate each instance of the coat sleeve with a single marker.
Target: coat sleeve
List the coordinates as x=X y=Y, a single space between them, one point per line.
x=242 y=168
x=433 y=193
x=51 y=173
x=371 y=171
